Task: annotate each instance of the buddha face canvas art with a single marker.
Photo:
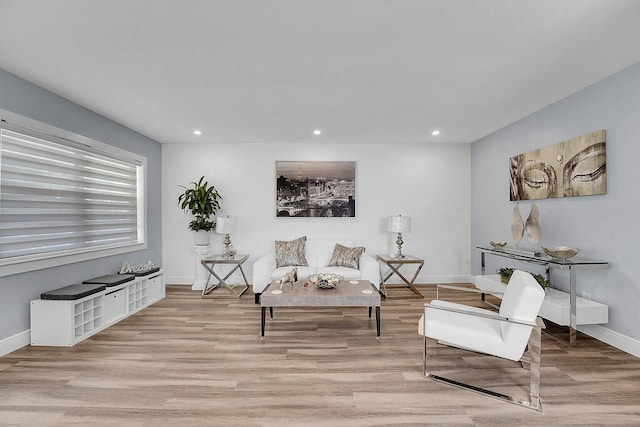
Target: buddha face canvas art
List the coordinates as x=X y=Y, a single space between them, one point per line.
x=576 y=167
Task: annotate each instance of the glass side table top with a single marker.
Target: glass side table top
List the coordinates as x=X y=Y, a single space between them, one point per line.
x=406 y=259
x=219 y=259
x=540 y=257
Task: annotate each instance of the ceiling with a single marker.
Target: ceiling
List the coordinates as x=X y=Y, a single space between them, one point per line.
x=361 y=71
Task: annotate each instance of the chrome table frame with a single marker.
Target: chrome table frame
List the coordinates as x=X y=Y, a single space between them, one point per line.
x=570 y=264
x=395 y=264
x=210 y=263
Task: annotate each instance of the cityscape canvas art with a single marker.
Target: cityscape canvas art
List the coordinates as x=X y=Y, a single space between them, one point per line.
x=576 y=167
x=315 y=189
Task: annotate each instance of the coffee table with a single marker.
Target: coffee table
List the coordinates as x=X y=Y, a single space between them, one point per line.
x=349 y=293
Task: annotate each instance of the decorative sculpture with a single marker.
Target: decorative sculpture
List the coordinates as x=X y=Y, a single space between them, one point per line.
x=532 y=226
x=289 y=279
x=517 y=226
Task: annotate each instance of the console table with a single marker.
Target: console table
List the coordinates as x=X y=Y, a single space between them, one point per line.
x=572 y=265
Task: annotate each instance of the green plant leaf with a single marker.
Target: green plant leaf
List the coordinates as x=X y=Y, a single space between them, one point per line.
x=201 y=200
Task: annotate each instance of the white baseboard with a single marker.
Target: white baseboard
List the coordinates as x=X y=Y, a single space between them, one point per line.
x=179 y=280
x=15 y=342
x=431 y=280
x=615 y=339
x=434 y=280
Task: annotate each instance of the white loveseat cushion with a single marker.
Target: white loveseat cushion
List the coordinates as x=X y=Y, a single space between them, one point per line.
x=345 y=272
x=303 y=272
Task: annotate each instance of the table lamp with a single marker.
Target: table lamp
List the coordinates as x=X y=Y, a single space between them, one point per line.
x=399 y=224
x=227 y=225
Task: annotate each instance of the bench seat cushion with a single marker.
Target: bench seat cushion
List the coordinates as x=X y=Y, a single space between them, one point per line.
x=72 y=292
x=111 y=280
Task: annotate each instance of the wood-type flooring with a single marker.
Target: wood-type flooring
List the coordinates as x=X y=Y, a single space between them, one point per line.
x=190 y=361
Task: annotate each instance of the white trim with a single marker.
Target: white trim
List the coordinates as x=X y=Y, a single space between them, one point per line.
x=614 y=339
x=15 y=342
x=434 y=280
x=179 y=280
x=430 y=280
x=9 y=269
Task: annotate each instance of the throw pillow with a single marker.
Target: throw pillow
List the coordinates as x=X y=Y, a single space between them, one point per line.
x=346 y=257
x=291 y=252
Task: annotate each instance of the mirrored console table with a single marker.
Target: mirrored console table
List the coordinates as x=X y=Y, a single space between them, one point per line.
x=572 y=265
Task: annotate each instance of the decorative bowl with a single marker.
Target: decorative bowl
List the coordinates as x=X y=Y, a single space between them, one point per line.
x=325 y=280
x=498 y=245
x=561 y=252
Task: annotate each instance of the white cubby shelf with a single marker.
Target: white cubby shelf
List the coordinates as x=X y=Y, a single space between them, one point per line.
x=67 y=322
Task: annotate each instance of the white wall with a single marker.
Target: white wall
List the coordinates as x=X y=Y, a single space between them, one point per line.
x=428 y=182
x=603 y=227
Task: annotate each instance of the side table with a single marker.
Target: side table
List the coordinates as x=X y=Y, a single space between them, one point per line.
x=237 y=261
x=395 y=264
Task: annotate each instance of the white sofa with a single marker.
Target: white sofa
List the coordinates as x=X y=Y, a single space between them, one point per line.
x=318 y=254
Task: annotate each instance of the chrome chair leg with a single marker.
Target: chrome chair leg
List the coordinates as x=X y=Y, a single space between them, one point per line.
x=532 y=361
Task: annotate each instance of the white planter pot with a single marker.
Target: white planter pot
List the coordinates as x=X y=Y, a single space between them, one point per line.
x=201 y=238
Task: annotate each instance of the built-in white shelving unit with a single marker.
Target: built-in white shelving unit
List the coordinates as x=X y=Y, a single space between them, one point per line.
x=67 y=322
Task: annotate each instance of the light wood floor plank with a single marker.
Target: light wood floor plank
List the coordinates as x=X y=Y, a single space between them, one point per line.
x=188 y=361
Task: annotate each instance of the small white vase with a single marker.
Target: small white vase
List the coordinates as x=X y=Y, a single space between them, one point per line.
x=201 y=238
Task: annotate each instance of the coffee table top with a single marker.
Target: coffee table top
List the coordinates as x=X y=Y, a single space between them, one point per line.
x=349 y=293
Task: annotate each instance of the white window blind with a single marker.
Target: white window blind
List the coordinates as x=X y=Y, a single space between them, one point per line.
x=59 y=197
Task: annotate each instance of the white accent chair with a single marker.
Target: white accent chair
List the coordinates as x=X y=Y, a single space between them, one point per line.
x=505 y=334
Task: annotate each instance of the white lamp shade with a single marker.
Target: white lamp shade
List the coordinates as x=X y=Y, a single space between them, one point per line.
x=399 y=224
x=227 y=224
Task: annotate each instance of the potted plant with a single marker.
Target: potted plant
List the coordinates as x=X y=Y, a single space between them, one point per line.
x=202 y=201
x=505 y=274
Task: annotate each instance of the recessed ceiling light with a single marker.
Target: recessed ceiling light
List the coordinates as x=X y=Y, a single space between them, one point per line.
x=317 y=132
x=197 y=132
x=435 y=133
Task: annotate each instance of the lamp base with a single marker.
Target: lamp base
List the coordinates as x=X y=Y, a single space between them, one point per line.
x=229 y=250
x=399 y=243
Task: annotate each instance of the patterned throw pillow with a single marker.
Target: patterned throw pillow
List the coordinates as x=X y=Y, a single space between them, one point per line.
x=291 y=253
x=346 y=257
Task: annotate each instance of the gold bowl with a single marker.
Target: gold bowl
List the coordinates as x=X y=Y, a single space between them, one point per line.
x=498 y=245
x=561 y=252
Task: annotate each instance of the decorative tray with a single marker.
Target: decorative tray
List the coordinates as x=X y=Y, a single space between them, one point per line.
x=325 y=280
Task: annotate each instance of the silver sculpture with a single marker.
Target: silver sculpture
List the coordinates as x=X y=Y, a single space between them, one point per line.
x=532 y=227
x=517 y=225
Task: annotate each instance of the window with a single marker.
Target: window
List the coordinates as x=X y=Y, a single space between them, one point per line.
x=64 y=198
